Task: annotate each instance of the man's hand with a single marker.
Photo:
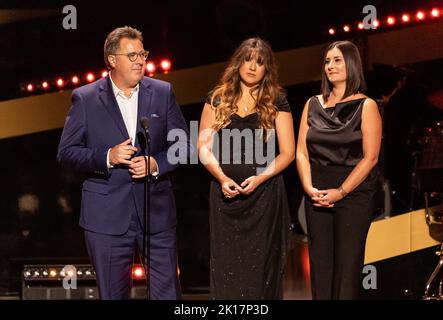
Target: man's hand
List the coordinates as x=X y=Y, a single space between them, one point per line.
x=138 y=167
x=122 y=153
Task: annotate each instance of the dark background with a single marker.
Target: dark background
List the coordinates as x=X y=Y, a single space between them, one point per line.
x=190 y=33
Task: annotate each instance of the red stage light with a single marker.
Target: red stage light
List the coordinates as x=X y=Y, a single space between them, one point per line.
x=30 y=87
x=90 y=77
x=361 y=26
x=405 y=17
x=390 y=20
x=60 y=82
x=45 y=85
x=420 y=15
x=376 y=23
x=166 y=65
x=104 y=74
x=435 y=13
x=331 y=31
x=138 y=272
x=75 y=80
x=150 y=67
x=346 y=28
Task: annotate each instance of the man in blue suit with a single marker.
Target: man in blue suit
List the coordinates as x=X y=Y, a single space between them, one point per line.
x=102 y=137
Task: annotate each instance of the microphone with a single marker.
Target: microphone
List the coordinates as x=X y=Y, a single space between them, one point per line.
x=144 y=121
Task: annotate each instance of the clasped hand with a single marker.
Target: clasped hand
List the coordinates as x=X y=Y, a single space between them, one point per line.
x=231 y=189
x=123 y=154
x=324 y=198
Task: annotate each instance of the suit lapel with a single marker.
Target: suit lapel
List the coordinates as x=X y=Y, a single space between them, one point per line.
x=108 y=99
x=144 y=105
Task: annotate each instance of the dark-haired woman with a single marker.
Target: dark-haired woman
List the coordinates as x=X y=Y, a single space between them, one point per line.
x=337 y=152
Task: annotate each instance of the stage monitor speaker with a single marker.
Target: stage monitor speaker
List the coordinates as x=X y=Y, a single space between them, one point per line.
x=67 y=282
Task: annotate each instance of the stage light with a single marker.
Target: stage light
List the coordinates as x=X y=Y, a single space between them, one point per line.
x=138 y=272
x=346 y=28
x=75 y=80
x=90 y=77
x=420 y=15
x=331 y=31
x=150 y=67
x=30 y=87
x=104 y=74
x=390 y=21
x=361 y=26
x=165 y=65
x=405 y=17
x=52 y=273
x=45 y=85
x=376 y=23
x=435 y=13
x=60 y=82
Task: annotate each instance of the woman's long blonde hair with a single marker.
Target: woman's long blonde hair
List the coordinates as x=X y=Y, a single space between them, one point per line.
x=227 y=92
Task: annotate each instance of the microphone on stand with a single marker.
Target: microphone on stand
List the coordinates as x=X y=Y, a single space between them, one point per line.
x=144 y=122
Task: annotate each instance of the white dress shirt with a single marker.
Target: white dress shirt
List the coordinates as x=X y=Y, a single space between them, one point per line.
x=129 y=109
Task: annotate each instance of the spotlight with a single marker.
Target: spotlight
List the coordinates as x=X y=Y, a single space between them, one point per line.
x=435 y=13
x=75 y=80
x=138 y=272
x=405 y=17
x=104 y=74
x=376 y=23
x=30 y=87
x=420 y=15
x=60 y=82
x=150 y=67
x=361 y=26
x=165 y=65
x=391 y=21
x=90 y=77
x=331 y=31
x=346 y=28
x=45 y=85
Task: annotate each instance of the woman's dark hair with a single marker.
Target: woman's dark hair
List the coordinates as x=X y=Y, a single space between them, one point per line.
x=355 y=80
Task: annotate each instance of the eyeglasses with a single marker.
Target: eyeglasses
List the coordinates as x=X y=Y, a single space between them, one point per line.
x=132 y=56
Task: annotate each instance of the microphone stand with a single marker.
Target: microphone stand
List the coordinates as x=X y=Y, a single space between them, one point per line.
x=146 y=211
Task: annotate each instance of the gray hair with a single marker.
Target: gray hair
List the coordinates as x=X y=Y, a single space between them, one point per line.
x=112 y=42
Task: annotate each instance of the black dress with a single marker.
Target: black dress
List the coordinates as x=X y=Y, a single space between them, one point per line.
x=249 y=234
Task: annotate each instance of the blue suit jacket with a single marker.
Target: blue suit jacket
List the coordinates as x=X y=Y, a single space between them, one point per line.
x=93 y=125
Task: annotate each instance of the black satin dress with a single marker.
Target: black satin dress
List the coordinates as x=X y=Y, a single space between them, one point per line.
x=334 y=142
x=249 y=234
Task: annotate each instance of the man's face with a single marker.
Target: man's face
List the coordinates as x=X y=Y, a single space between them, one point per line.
x=129 y=73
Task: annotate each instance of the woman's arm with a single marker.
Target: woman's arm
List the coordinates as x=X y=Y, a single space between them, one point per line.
x=302 y=156
x=205 y=141
x=371 y=127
